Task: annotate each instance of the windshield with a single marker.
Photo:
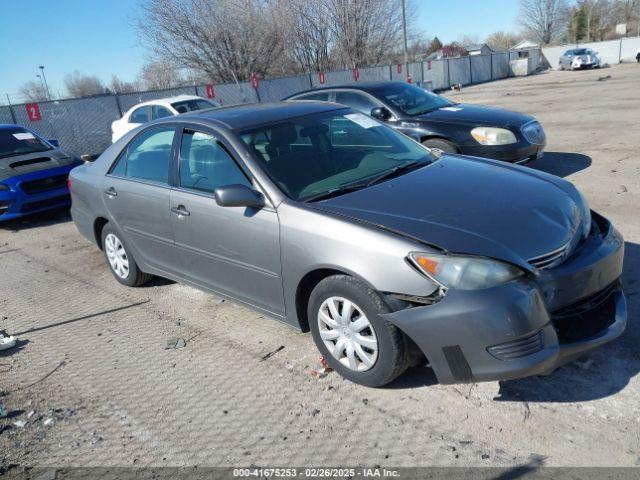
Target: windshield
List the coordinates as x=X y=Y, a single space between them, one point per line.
x=410 y=99
x=191 y=105
x=18 y=141
x=581 y=51
x=331 y=151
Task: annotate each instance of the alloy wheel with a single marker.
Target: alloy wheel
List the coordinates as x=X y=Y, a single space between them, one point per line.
x=348 y=334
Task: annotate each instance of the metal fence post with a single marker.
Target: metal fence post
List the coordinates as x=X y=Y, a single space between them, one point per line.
x=13 y=114
x=620 y=52
x=491 y=63
x=448 y=72
x=118 y=104
x=470 y=71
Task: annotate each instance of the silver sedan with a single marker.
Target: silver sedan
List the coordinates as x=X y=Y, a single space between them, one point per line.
x=579 y=58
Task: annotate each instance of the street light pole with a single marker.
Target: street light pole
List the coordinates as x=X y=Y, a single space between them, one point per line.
x=404 y=35
x=44 y=90
x=46 y=86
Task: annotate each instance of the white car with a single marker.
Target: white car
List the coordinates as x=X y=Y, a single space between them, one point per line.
x=159 y=108
x=579 y=58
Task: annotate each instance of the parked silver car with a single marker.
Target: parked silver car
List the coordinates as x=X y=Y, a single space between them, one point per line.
x=331 y=221
x=579 y=58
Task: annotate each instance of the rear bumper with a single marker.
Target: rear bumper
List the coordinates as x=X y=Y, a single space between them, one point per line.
x=16 y=203
x=530 y=326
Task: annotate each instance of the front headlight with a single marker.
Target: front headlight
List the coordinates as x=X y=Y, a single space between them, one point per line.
x=493 y=136
x=462 y=272
x=585 y=213
x=3 y=187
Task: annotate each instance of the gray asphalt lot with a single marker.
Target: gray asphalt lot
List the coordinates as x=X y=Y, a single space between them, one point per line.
x=95 y=386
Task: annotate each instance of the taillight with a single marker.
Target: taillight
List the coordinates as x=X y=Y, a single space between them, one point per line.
x=69 y=183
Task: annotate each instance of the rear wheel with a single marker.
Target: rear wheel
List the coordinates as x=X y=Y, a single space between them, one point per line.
x=440 y=146
x=123 y=266
x=347 y=327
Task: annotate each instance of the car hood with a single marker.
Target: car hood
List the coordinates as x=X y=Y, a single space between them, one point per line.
x=470 y=206
x=477 y=115
x=34 y=162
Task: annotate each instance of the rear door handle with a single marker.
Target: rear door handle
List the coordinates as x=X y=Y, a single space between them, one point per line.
x=111 y=192
x=181 y=211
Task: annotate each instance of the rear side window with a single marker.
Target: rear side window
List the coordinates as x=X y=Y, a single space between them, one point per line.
x=147 y=156
x=357 y=101
x=158 y=111
x=319 y=96
x=205 y=165
x=140 y=115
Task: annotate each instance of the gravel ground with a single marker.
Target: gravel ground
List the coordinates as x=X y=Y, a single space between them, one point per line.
x=92 y=383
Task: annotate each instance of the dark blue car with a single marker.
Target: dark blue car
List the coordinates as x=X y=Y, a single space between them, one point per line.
x=33 y=173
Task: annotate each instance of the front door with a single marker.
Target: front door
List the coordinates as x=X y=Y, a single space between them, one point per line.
x=136 y=194
x=232 y=250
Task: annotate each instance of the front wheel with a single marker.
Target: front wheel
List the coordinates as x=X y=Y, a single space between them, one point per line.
x=440 y=146
x=348 y=329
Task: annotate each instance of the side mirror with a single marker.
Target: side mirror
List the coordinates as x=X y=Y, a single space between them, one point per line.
x=238 y=196
x=54 y=142
x=381 y=113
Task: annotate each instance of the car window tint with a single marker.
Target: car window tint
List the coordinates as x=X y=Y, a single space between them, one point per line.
x=148 y=155
x=158 y=111
x=205 y=165
x=192 y=105
x=319 y=96
x=140 y=115
x=357 y=101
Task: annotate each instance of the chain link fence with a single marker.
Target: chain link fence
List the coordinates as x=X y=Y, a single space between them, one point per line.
x=83 y=125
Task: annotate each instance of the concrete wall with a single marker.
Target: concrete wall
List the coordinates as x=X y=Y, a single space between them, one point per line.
x=610 y=51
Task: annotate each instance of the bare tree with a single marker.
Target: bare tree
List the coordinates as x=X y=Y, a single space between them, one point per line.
x=365 y=31
x=119 y=86
x=80 y=85
x=227 y=39
x=161 y=74
x=544 y=19
x=500 y=41
x=33 y=91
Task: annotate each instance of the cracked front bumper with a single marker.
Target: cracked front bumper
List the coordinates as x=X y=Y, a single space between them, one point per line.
x=529 y=326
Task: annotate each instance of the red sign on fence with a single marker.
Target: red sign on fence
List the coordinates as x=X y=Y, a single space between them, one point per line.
x=356 y=74
x=429 y=65
x=254 y=81
x=409 y=79
x=33 y=111
x=211 y=93
x=399 y=68
x=321 y=77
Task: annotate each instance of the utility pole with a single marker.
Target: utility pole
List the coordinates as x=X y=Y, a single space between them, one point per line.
x=44 y=90
x=46 y=86
x=404 y=34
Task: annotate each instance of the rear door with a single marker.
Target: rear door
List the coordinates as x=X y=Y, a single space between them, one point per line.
x=232 y=250
x=136 y=193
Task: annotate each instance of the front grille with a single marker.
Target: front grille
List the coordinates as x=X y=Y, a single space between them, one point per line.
x=44 y=184
x=550 y=259
x=586 y=318
x=518 y=348
x=533 y=133
x=40 y=204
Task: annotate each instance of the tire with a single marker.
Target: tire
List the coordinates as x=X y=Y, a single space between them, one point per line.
x=384 y=363
x=440 y=145
x=112 y=243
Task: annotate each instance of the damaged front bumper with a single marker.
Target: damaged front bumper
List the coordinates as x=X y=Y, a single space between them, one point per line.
x=529 y=326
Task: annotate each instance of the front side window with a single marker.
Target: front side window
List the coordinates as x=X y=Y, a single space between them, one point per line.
x=158 y=111
x=140 y=115
x=205 y=165
x=147 y=156
x=317 y=154
x=357 y=101
x=410 y=99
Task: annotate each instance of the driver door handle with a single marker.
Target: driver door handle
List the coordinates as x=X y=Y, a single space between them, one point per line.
x=181 y=211
x=111 y=192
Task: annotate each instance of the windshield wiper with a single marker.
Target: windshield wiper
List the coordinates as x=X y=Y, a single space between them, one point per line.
x=334 y=192
x=394 y=172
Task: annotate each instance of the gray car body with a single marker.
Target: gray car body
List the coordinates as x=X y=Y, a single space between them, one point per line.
x=589 y=59
x=270 y=258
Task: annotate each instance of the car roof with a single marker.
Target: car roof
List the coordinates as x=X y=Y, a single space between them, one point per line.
x=167 y=101
x=364 y=86
x=240 y=117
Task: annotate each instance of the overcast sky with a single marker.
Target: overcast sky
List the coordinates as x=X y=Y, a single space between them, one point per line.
x=98 y=37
